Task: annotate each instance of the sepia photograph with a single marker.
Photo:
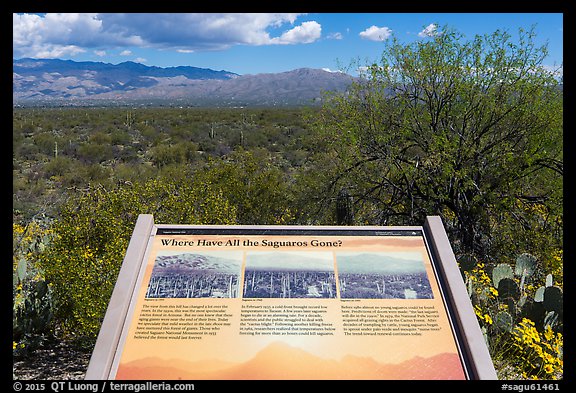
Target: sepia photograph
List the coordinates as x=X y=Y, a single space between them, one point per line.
x=195 y=275
x=289 y=275
x=383 y=275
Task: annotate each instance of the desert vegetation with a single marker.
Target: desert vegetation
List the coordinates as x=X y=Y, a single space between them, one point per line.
x=384 y=286
x=467 y=129
x=289 y=284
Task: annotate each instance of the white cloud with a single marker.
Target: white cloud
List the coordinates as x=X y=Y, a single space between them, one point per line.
x=56 y=51
x=366 y=70
x=374 y=33
x=335 y=36
x=556 y=70
x=100 y=53
x=57 y=34
x=126 y=53
x=140 y=60
x=306 y=33
x=429 y=31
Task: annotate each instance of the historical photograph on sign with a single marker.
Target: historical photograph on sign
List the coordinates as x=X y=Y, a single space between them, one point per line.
x=195 y=275
x=289 y=275
x=382 y=275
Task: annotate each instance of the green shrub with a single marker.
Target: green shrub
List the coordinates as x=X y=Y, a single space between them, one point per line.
x=92 y=234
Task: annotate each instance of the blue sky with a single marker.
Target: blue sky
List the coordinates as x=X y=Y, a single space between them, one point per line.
x=255 y=43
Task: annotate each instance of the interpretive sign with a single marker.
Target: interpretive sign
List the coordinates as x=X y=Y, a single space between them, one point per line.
x=289 y=302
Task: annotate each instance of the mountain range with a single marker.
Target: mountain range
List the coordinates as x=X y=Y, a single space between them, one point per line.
x=290 y=261
x=66 y=81
x=378 y=263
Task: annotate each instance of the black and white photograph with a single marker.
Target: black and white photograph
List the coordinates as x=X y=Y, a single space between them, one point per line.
x=289 y=275
x=195 y=275
x=382 y=275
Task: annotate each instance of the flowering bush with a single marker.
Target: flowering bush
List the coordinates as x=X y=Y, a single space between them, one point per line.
x=539 y=355
x=534 y=350
x=92 y=235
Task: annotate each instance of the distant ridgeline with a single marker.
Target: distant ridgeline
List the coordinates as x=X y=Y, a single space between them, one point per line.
x=65 y=82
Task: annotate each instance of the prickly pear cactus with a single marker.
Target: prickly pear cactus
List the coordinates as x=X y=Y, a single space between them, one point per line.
x=525 y=265
x=508 y=288
x=551 y=319
x=22 y=269
x=546 y=308
x=501 y=271
x=534 y=311
x=539 y=295
x=467 y=262
x=504 y=321
x=31 y=317
x=32 y=306
x=553 y=299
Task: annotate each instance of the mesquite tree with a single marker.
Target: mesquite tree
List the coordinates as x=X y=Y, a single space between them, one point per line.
x=447 y=126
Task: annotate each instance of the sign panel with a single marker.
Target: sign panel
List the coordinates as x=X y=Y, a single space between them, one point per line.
x=288 y=303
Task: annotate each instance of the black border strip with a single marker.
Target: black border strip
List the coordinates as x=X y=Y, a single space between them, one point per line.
x=288 y=231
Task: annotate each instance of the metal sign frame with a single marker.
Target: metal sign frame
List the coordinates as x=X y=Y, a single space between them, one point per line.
x=470 y=340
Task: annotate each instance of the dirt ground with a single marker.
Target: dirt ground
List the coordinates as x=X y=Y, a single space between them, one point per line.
x=58 y=361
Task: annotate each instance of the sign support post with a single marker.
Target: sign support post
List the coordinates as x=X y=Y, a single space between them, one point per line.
x=473 y=343
x=109 y=335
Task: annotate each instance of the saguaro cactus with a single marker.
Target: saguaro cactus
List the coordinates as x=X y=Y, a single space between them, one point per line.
x=344 y=208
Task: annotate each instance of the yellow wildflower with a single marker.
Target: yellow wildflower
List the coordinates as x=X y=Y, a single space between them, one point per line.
x=548 y=334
